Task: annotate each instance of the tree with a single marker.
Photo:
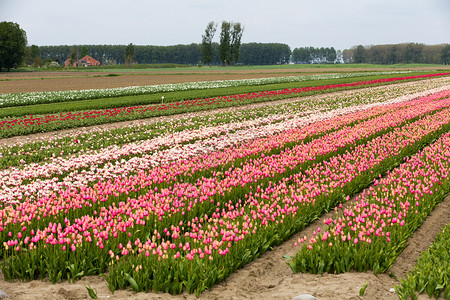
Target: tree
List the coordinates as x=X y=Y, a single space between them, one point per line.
x=235 y=44
x=129 y=53
x=224 y=46
x=330 y=54
x=264 y=54
x=84 y=51
x=393 y=57
x=347 y=56
x=360 y=54
x=302 y=55
x=445 y=55
x=413 y=52
x=73 y=56
x=13 y=43
x=310 y=55
x=432 y=54
x=33 y=56
x=207 y=50
x=338 y=56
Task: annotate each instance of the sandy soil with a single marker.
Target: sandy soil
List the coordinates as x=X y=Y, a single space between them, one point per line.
x=268 y=277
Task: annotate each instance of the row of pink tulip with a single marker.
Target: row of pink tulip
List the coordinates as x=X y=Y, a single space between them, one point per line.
x=221 y=237
x=370 y=234
x=327 y=177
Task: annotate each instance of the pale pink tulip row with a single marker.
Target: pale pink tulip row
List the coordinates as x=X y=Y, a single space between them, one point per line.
x=386 y=205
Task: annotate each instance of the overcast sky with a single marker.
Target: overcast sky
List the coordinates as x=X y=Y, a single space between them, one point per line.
x=299 y=23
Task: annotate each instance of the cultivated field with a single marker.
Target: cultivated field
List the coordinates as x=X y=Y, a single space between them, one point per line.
x=22 y=82
x=330 y=185
x=80 y=80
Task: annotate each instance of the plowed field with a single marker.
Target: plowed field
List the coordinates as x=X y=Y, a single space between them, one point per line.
x=20 y=82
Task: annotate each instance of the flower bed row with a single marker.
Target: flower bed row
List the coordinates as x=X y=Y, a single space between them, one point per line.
x=239 y=233
x=194 y=249
x=432 y=271
x=31 y=124
x=371 y=234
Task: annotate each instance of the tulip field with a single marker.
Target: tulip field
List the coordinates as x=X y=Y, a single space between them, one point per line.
x=31 y=118
x=180 y=204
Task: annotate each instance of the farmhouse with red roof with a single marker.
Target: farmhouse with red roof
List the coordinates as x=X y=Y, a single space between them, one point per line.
x=86 y=61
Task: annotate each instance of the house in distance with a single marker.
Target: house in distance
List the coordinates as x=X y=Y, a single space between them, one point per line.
x=86 y=61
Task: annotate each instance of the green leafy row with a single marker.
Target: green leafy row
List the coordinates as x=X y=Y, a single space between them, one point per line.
x=432 y=271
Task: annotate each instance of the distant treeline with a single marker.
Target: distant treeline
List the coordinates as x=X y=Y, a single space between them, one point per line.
x=311 y=55
x=261 y=54
x=398 y=54
x=250 y=54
